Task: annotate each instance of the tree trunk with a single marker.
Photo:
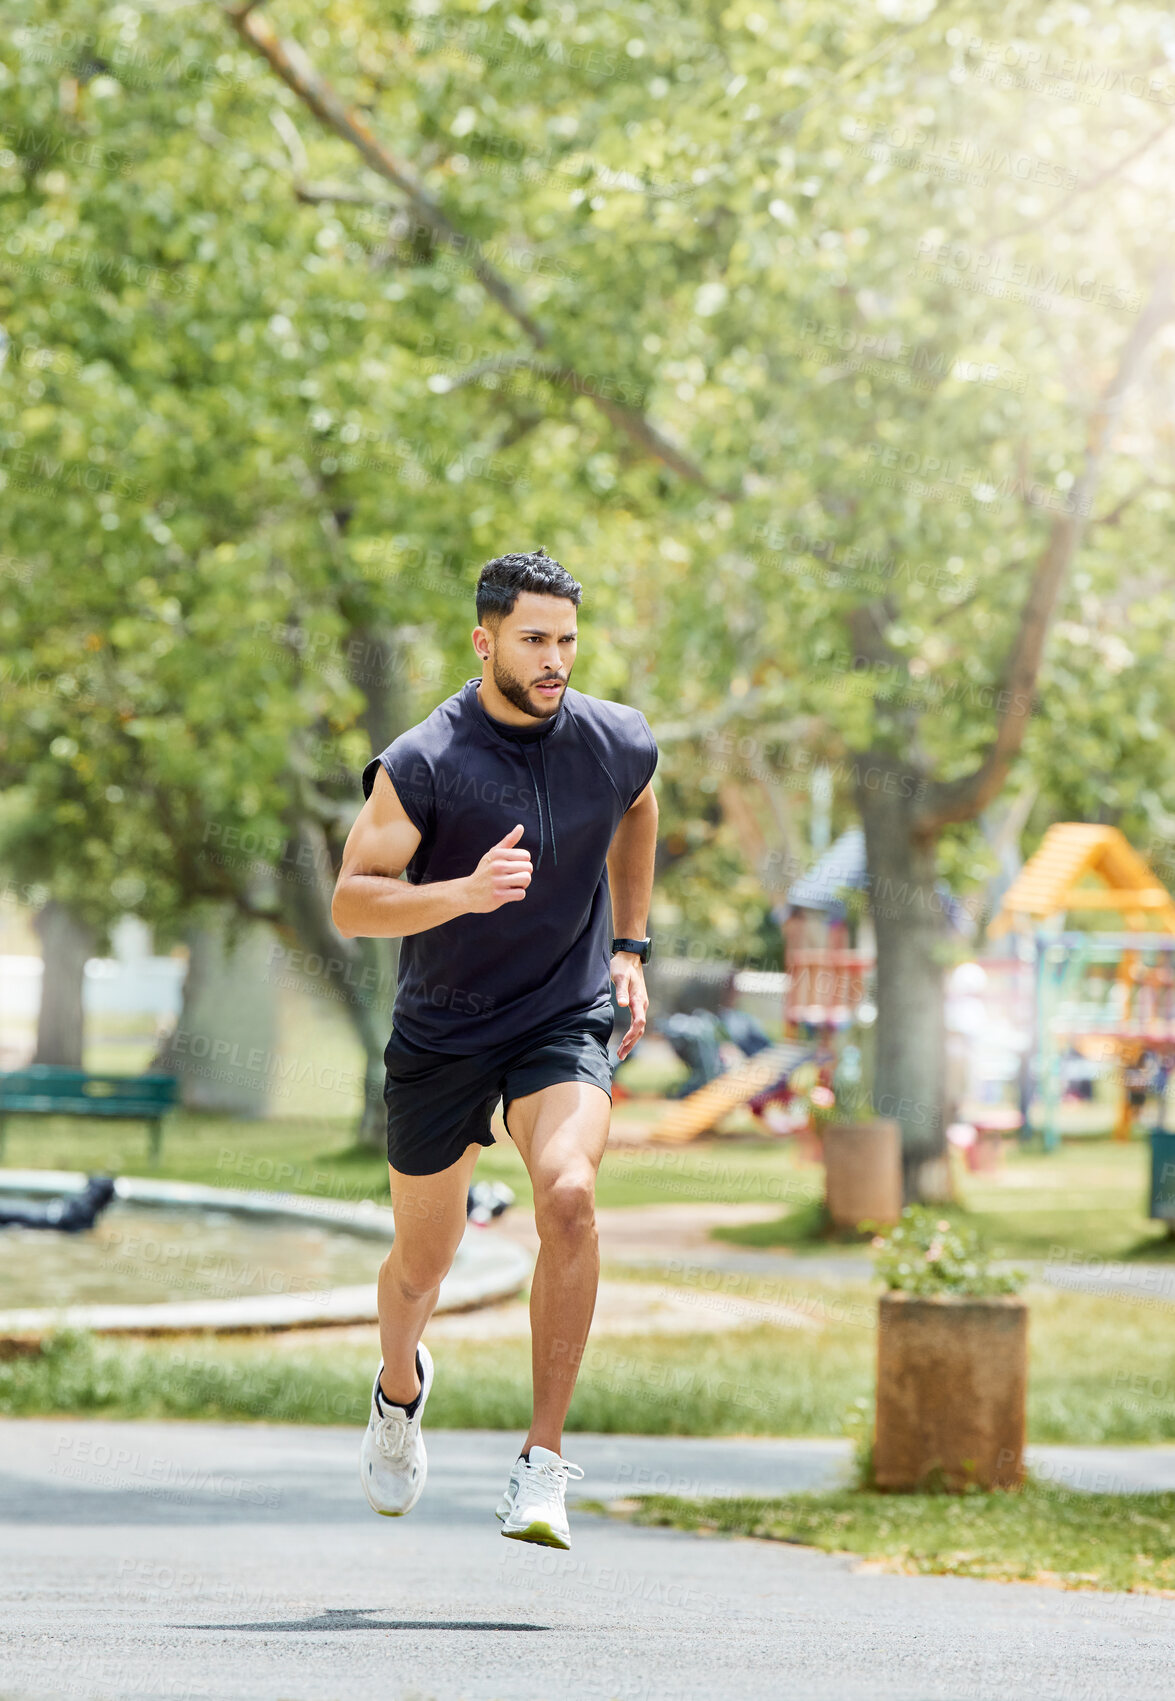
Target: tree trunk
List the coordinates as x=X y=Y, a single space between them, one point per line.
x=371 y=1015
x=66 y=945
x=224 y=1046
x=904 y=809
x=167 y=1058
x=910 y=1070
x=381 y=956
x=361 y=971
x=378 y=663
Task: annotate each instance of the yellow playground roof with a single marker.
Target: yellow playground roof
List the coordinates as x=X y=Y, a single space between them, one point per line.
x=1056 y=879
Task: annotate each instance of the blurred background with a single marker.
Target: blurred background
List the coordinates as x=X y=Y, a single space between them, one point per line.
x=831 y=348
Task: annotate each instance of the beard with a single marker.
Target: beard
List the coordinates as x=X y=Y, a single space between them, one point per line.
x=517 y=691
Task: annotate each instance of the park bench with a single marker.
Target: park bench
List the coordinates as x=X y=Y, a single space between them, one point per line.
x=44 y=1090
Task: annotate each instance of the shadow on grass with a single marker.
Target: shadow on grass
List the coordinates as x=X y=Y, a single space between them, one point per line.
x=806 y=1229
x=1044 y=1234
x=1152 y=1249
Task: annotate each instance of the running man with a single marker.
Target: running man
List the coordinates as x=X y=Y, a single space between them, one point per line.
x=518 y=808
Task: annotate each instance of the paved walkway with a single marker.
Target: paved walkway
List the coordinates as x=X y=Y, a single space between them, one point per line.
x=239 y=1561
x=1142 y=1283
x=680 y=1234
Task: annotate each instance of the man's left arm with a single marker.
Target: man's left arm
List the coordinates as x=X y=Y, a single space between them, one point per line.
x=630 y=880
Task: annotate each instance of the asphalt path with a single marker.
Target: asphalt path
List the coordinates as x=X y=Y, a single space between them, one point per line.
x=237 y=1561
x=1144 y=1284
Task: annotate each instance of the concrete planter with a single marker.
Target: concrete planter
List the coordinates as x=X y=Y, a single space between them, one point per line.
x=863 y=1172
x=952 y=1377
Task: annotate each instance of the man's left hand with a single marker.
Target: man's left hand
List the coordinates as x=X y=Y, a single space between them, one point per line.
x=628 y=977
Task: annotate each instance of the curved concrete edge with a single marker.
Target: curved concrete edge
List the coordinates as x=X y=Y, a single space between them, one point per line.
x=484 y=1272
x=363 y=1216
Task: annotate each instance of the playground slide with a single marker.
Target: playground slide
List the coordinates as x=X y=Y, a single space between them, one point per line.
x=706 y=1107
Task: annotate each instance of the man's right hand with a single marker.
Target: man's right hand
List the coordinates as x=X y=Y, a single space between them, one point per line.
x=502 y=875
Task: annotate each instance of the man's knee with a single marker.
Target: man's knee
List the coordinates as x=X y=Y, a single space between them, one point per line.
x=416 y=1271
x=565 y=1207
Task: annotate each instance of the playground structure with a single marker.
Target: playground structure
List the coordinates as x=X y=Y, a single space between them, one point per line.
x=828 y=987
x=1110 y=998
x=1051 y=1008
x=765 y=1078
x=768 y=1075
x=1105 y=997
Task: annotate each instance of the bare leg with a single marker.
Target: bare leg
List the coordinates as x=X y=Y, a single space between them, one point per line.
x=561 y=1133
x=430 y=1221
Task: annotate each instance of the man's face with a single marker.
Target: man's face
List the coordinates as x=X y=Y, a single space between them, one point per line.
x=534 y=644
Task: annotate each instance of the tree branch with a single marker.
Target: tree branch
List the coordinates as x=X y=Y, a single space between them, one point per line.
x=961 y=799
x=954 y=608
x=497 y=363
x=861 y=62
x=299 y=75
x=520 y=426
x=866 y=625
x=1085 y=188
x=313 y=194
x=758 y=703
x=288 y=61
x=1113 y=515
x=766 y=861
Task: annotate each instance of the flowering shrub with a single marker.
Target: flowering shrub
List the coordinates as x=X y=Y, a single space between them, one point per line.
x=925 y=1254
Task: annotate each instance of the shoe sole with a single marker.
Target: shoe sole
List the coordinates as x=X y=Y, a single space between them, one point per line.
x=539 y=1532
x=383 y=1511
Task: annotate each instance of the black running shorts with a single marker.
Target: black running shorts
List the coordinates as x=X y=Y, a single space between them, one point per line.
x=440 y=1103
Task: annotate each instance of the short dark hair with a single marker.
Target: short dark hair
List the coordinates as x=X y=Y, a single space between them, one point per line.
x=502 y=579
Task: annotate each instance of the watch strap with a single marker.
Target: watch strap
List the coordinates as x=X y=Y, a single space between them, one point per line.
x=641 y=948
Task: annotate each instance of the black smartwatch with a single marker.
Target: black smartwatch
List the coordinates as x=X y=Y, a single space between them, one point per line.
x=642 y=948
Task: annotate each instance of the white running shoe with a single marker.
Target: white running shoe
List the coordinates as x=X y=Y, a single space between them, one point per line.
x=393 y=1464
x=536 y=1511
x=507 y=1500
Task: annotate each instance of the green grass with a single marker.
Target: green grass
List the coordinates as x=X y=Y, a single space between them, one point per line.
x=651 y=1385
x=1100 y=1371
x=302 y=1155
x=1086 y=1199
x=1101 y=1367
x=318 y=1156
x=1038 y=1534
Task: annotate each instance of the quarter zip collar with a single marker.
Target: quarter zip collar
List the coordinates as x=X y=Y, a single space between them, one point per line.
x=542 y=744
x=509 y=734
x=501 y=735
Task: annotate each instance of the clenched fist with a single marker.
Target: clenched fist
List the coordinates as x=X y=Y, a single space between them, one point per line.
x=502 y=875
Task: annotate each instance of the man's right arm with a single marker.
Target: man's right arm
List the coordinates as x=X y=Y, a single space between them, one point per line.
x=372 y=902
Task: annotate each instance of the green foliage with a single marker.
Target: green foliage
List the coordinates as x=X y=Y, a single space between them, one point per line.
x=925 y=1253
x=858 y=1426
x=251 y=431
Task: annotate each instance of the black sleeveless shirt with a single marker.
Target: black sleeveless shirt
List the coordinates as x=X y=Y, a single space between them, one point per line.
x=464 y=780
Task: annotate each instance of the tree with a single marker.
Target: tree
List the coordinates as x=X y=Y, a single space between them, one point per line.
x=783 y=328
x=910 y=362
